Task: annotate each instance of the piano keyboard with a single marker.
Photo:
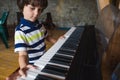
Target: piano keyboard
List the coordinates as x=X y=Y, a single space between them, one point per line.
x=55 y=63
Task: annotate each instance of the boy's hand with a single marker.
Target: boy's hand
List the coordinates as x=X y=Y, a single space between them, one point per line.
x=61 y=37
x=22 y=71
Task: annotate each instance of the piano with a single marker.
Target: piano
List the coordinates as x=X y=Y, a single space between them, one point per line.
x=71 y=58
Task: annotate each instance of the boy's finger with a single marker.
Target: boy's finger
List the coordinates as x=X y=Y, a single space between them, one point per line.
x=31 y=67
x=22 y=72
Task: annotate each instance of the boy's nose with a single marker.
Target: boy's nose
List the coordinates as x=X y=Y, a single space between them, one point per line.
x=36 y=12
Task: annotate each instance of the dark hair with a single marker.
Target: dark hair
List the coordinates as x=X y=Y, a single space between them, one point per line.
x=42 y=3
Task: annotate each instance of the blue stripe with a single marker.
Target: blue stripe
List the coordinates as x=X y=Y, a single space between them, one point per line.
x=20 y=45
x=36 y=44
x=34 y=51
x=35 y=58
x=30 y=30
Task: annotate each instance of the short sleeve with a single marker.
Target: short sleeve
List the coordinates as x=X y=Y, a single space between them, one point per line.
x=20 y=41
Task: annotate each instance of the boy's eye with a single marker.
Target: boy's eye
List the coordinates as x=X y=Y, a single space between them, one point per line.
x=32 y=8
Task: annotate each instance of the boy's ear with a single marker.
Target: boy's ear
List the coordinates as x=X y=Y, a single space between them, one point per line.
x=42 y=10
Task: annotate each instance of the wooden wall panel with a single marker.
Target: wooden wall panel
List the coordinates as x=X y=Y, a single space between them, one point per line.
x=101 y=4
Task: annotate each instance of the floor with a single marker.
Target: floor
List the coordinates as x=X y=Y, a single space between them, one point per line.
x=8 y=60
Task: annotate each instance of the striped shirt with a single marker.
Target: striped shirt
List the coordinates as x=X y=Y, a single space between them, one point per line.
x=30 y=36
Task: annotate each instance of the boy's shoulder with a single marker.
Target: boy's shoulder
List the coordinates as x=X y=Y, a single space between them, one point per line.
x=22 y=27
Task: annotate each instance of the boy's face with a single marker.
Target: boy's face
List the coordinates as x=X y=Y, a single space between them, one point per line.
x=31 y=13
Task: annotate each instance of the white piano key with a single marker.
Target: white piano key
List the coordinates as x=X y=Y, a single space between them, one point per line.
x=31 y=76
x=53 y=76
x=59 y=65
x=65 y=55
x=70 y=32
x=20 y=78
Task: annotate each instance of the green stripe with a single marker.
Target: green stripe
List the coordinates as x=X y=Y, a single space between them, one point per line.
x=34 y=37
x=20 y=37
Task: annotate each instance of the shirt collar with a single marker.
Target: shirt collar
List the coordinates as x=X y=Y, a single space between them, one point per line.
x=29 y=23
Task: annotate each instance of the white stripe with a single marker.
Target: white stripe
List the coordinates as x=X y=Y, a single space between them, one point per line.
x=37 y=47
x=24 y=28
x=35 y=54
x=18 y=33
x=33 y=61
x=20 y=49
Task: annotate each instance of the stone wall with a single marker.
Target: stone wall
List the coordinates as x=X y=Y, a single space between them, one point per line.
x=65 y=13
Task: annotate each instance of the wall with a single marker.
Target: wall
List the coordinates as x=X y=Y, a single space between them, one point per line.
x=65 y=13
x=9 y=5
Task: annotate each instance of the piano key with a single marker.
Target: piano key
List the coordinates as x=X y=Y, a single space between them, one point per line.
x=76 y=34
x=31 y=76
x=53 y=72
x=66 y=52
x=56 y=77
x=61 y=65
x=69 y=46
x=43 y=77
x=69 y=32
x=56 y=70
x=63 y=57
x=59 y=62
x=71 y=43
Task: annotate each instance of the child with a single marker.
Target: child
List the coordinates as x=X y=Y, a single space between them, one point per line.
x=30 y=34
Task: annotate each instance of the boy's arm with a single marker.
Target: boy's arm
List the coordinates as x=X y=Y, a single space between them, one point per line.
x=50 y=39
x=23 y=59
x=23 y=62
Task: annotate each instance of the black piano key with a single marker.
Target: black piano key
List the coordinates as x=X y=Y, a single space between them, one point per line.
x=67 y=56
x=76 y=34
x=73 y=41
x=67 y=49
x=63 y=57
x=59 y=62
x=43 y=77
x=66 y=52
x=53 y=72
x=56 y=70
x=60 y=58
x=69 y=46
